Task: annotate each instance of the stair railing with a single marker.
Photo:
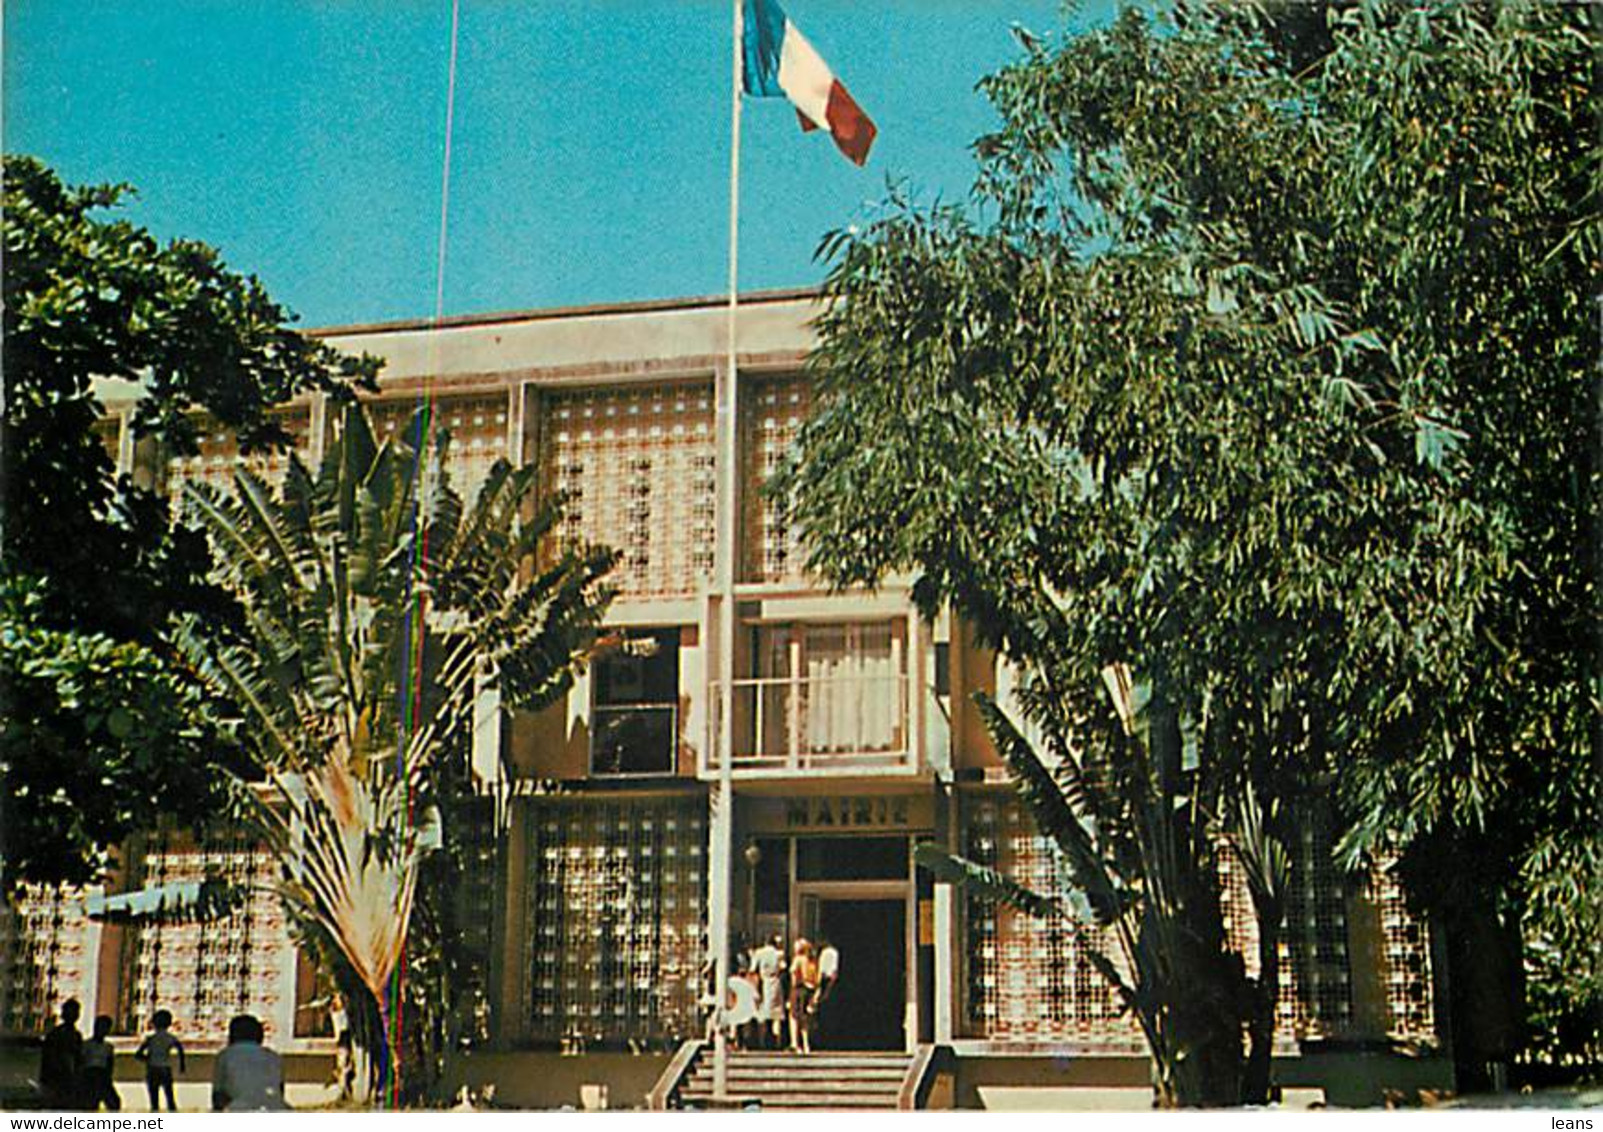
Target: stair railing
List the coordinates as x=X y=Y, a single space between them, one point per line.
x=930 y=1080
x=679 y=1067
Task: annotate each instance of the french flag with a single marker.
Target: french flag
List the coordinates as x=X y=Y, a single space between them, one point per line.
x=778 y=61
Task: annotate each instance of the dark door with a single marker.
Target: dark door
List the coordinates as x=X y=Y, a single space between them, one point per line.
x=866 y=1009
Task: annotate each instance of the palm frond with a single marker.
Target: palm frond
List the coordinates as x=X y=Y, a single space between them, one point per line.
x=1087 y=866
x=221 y=518
x=234 y=673
x=377 y=608
x=983 y=882
x=1263 y=856
x=280 y=563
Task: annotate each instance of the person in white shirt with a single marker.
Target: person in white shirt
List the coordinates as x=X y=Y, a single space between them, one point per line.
x=769 y=963
x=828 y=973
x=249 y=1077
x=339 y=1019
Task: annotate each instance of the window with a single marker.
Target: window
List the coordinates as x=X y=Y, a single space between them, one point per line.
x=832 y=689
x=851 y=858
x=635 y=722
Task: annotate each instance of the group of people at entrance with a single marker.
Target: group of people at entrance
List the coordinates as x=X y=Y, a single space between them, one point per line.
x=779 y=1003
x=77 y=1075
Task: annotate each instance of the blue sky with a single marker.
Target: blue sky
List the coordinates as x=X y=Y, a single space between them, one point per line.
x=304 y=137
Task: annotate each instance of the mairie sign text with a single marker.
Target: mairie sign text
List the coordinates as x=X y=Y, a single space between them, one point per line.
x=856 y=814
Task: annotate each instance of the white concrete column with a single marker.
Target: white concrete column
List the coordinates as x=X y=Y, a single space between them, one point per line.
x=93 y=935
x=516 y=396
x=946 y=935
x=125 y=443
x=910 y=1017
x=915 y=699
x=284 y=1016
x=795 y=706
x=945 y=967
x=486 y=742
x=316 y=431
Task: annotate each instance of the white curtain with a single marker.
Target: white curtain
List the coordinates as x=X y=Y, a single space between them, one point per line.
x=852 y=695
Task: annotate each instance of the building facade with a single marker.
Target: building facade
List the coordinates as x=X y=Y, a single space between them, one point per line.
x=845 y=719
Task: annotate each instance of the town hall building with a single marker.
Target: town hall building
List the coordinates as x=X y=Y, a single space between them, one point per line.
x=849 y=734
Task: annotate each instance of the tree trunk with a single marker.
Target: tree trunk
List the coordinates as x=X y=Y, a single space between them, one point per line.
x=1203 y=1066
x=1486 y=993
x=371 y=1060
x=1257 y=1078
x=1199 y=985
x=1204 y=1058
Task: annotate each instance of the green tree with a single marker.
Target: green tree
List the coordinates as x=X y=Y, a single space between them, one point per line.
x=1264 y=371
x=377 y=609
x=1140 y=848
x=98 y=734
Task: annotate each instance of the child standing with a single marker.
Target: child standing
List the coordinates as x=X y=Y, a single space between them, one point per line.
x=97 y=1088
x=157 y=1051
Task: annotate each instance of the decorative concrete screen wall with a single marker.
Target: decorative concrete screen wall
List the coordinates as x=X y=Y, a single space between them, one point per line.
x=475 y=895
x=1026 y=980
x=477 y=424
x=48 y=952
x=1326 y=914
x=218 y=457
x=773 y=415
x=208 y=972
x=616 y=897
x=638 y=465
x=1316 y=991
x=1409 y=988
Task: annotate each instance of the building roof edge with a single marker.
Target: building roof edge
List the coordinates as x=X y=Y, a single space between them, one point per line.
x=542 y=314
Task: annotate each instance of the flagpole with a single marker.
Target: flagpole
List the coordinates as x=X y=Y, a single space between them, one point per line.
x=726 y=396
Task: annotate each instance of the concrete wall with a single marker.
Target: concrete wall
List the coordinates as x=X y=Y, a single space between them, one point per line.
x=1367 y=1078
x=306 y=1077
x=1344 y=1079
x=973 y=669
x=638 y=334
x=979 y=1078
x=550 y=1080
x=551 y=743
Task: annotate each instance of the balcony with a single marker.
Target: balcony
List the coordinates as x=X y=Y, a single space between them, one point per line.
x=819 y=725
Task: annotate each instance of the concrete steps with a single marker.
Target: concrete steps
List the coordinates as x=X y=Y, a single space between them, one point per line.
x=813 y=1082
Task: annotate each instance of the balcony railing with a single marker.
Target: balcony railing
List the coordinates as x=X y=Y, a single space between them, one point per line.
x=634 y=739
x=829 y=723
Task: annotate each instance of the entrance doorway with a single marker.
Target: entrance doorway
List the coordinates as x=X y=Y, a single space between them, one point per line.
x=866 y=1010
x=857 y=892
